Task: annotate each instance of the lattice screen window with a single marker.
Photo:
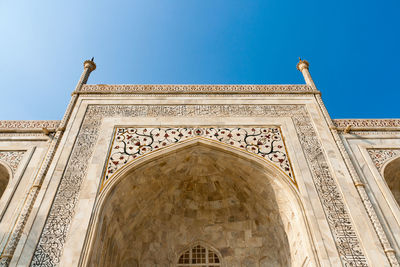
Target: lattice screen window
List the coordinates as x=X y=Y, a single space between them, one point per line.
x=199 y=256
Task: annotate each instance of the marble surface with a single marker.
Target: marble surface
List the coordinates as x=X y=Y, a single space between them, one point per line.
x=302 y=216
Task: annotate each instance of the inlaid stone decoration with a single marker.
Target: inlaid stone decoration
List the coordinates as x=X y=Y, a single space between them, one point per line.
x=381 y=156
x=131 y=143
x=50 y=246
x=12 y=158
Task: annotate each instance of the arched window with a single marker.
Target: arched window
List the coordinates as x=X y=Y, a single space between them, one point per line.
x=4 y=178
x=199 y=256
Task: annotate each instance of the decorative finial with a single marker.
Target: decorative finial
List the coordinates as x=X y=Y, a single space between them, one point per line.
x=303 y=64
x=90 y=64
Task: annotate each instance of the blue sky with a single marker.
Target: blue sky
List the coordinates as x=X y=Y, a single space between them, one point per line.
x=353 y=48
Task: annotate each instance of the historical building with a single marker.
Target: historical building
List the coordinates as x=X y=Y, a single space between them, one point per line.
x=199 y=175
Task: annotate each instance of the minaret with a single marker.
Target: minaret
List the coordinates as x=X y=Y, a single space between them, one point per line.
x=14 y=237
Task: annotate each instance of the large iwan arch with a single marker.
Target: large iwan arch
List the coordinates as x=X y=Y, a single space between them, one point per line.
x=245 y=209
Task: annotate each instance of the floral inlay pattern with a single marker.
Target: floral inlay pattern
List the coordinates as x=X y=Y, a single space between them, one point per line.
x=131 y=143
x=381 y=156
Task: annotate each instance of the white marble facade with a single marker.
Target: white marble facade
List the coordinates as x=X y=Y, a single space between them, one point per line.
x=253 y=175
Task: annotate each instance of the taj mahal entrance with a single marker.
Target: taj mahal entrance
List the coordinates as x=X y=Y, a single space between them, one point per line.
x=199 y=204
x=199 y=175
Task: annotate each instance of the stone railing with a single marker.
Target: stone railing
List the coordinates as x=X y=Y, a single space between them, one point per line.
x=196 y=89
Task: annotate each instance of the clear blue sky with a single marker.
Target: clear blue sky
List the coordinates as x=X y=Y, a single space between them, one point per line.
x=353 y=48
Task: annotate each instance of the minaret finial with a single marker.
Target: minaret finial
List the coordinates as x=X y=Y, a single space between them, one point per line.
x=90 y=64
x=302 y=64
x=88 y=67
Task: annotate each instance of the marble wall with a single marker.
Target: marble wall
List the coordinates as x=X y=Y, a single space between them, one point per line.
x=21 y=154
x=303 y=209
x=375 y=154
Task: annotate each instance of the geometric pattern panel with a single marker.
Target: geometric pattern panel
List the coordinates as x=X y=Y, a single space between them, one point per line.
x=368 y=123
x=29 y=124
x=131 y=143
x=194 y=88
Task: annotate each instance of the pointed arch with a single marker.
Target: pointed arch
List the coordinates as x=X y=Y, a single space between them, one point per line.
x=391 y=174
x=129 y=144
x=261 y=195
x=194 y=142
x=5 y=176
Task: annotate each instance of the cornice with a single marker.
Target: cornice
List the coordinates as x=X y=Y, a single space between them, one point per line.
x=195 y=89
x=368 y=124
x=27 y=126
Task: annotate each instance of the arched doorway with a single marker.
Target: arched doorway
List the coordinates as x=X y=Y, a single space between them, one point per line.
x=4 y=178
x=391 y=173
x=244 y=209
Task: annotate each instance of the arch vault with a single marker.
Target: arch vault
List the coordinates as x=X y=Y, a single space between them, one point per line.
x=199 y=190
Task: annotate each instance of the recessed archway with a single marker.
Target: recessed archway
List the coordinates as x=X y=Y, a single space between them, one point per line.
x=391 y=173
x=4 y=178
x=199 y=192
